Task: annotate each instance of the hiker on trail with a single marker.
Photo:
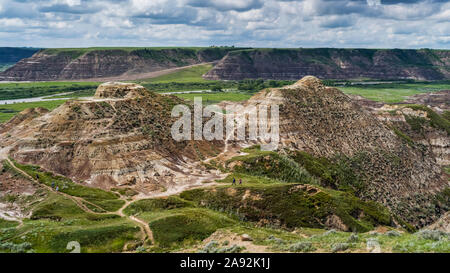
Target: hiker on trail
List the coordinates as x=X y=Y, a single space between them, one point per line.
x=57 y=188
x=37 y=176
x=53 y=185
x=240 y=181
x=234 y=181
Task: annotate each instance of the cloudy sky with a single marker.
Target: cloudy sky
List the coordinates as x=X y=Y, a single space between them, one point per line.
x=256 y=23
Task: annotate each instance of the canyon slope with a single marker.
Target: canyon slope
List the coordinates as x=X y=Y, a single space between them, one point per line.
x=92 y=63
x=333 y=63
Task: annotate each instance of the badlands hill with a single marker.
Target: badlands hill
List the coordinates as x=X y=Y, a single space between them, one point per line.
x=333 y=63
x=89 y=63
x=121 y=138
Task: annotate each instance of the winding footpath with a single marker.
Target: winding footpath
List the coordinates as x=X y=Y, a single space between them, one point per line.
x=145 y=228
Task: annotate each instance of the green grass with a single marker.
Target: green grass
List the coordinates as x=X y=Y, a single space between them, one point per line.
x=248 y=179
x=76 y=94
x=446 y=115
x=21 y=90
x=403 y=136
x=47 y=236
x=56 y=220
x=187 y=86
x=392 y=93
x=336 y=173
x=176 y=222
x=106 y=200
x=106 y=238
x=158 y=204
x=186 y=225
x=213 y=98
x=322 y=241
x=291 y=205
x=10 y=110
x=7 y=224
x=191 y=74
x=270 y=165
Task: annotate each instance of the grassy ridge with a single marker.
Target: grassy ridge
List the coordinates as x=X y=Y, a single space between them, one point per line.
x=291 y=205
x=318 y=240
x=271 y=165
x=57 y=220
x=176 y=222
x=108 y=201
x=10 y=110
x=7 y=224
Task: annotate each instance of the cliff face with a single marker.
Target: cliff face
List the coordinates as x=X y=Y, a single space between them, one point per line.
x=324 y=122
x=71 y=64
x=328 y=63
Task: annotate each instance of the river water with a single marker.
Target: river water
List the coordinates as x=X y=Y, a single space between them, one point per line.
x=44 y=98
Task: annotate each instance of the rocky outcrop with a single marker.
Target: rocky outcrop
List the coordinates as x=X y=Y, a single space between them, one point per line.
x=324 y=122
x=333 y=63
x=120 y=90
x=89 y=63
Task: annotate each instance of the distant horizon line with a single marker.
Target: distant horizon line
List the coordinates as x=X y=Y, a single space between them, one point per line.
x=229 y=46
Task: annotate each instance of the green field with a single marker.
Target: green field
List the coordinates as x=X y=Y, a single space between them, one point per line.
x=9 y=91
x=10 y=110
x=393 y=92
x=217 y=97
